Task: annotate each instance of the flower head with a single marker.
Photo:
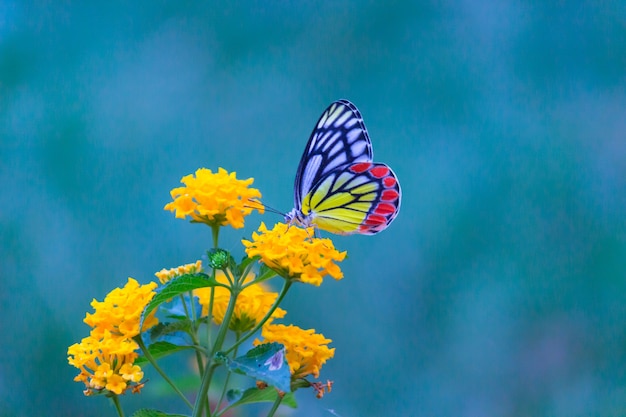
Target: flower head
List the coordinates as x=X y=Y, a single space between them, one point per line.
x=252 y=305
x=165 y=275
x=105 y=364
x=217 y=199
x=294 y=254
x=306 y=351
x=106 y=357
x=120 y=312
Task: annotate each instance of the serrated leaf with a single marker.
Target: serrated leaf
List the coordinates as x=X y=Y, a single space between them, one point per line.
x=160 y=350
x=256 y=395
x=177 y=286
x=265 y=362
x=146 y=412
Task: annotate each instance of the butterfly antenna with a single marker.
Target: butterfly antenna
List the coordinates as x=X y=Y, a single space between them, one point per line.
x=265 y=206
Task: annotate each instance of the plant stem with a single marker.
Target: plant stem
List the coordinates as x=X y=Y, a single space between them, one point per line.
x=152 y=361
x=275 y=406
x=182 y=301
x=221 y=334
x=209 y=326
x=219 y=341
x=219 y=402
x=118 y=406
x=280 y=297
x=216 y=231
x=194 y=334
x=202 y=397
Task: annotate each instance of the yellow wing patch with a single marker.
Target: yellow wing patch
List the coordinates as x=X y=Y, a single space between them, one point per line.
x=337 y=209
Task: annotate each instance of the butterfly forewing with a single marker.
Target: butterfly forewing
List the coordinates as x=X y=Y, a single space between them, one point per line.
x=338 y=139
x=360 y=198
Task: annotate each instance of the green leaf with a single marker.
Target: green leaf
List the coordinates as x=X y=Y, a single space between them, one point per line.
x=162 y=329
x=146 y=412
x=233 y=395
x=256 y=395
x=265 y=362
x=161 y=349
x=177 y=286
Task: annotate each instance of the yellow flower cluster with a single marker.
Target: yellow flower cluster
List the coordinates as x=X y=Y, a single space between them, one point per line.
x=105 y=364
x=252 y=305
x=306 y=351
x=294 y=254
x=165 y=275
x=121 y=310
x=105 y=358
x=217 y=199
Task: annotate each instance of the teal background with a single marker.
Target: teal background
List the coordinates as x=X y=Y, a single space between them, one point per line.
x=498 y=290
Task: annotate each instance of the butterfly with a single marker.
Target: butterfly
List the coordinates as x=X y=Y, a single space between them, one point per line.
x=338 y=187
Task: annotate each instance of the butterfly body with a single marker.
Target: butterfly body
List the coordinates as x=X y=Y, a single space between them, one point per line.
x=338 y=187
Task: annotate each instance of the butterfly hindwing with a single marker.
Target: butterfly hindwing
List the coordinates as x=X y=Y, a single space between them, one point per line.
x=362 y=197
x=338 y=139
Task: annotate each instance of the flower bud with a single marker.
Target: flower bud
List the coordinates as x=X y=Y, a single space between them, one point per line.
x=218 y=258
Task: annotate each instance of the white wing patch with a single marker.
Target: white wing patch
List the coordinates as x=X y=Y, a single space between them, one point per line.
x=311 y=168
x=338 y=139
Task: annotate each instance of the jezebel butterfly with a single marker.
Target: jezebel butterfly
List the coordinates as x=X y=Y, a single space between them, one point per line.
x=338 y=187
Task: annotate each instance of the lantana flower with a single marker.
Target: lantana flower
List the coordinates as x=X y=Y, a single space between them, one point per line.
x=106 y=363
x=217 y=199
x=294 y=254
x=106 y=357
x=306 y=351
x=252 y=304
x=120 y=312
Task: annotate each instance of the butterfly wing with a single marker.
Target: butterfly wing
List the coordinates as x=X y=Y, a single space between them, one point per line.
x=362 y=198
x=338 y=139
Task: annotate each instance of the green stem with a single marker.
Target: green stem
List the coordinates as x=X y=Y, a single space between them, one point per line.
x=279 y=399
x=199 y=360
x=118 y=406
x=219 y=402
x=152 y=361
x=219 y=341
x=182 y=300
x=194 y=313
x=269 y=313
x=209 y=324
x=221 y=334
x=245 y=274
x=229 y=277
x=194 y=333
x=216 y=231
x=203 y=397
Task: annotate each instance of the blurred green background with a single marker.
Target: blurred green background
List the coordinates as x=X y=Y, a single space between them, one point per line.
x=498 y=291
